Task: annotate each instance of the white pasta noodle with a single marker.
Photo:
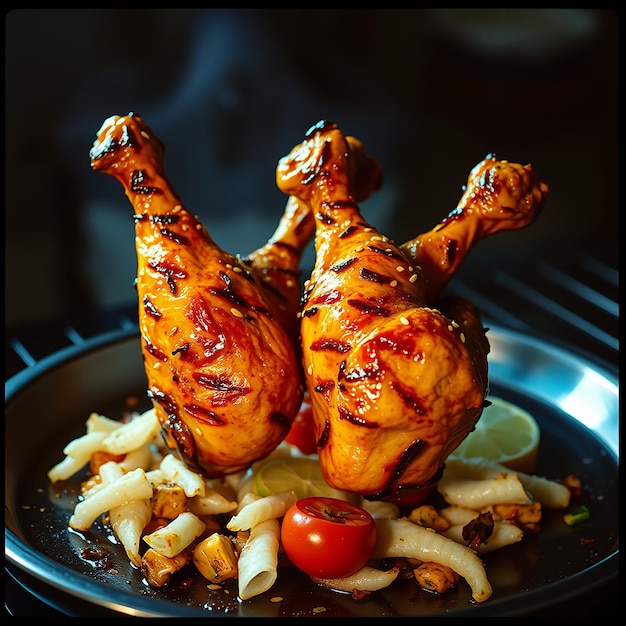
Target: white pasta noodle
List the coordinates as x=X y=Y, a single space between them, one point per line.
x=269 y=507
x=366 y=579
x=221 y=485
x=177 y=535
x=176 y=471
x=129 y=519
x=77 y=454
x=458 y=514
x=91 y=488
x=101 y=435
x=133 y=434
x=245 y=499
x=156 y=476
x=245 y=490
x=66 y=468
x=86 y=445
x=474 y=469
x=133 y=485
x=550 y=493
x=402 y=538
x=140 y=457
x=128 y=522
x=100 y=423
x=477 y=494
x=110 y=472
x=211 y=503
x=504 y=532
x=258 y=560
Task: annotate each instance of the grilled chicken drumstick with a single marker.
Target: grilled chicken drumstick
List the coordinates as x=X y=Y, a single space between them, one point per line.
x=499 y=196
x=223 y=373
x=395 y=386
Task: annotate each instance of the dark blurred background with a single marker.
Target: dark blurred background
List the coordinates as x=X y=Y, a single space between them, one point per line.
x=229 y=91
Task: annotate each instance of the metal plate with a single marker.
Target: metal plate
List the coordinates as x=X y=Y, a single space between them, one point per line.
x=575 y=403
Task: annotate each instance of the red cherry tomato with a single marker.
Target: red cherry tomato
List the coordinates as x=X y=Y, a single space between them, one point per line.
x=302 y=433
x=327 y=537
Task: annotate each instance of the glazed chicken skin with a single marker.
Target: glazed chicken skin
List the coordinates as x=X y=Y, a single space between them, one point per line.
x=395 y=385
x=223 y=372
x=499 y=196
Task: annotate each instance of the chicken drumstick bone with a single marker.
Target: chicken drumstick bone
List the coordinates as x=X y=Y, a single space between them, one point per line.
x=499 y=196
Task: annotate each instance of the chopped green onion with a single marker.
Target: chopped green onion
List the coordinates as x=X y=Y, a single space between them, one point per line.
x=577 y=516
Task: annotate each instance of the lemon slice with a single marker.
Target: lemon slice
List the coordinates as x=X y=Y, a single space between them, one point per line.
x=300 y=474
x=506 y=434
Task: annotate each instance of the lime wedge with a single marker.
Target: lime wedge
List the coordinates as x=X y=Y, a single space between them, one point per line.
x=300 y=474
x=505 y=434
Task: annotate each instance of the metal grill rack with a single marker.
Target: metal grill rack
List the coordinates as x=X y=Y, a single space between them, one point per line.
x=572 y=301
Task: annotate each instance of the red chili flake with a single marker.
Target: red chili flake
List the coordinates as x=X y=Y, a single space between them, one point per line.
x=585 y=541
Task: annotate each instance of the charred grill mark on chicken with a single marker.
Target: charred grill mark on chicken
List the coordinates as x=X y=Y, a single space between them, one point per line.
x=389 y=252
x=408 y=396
x=137 y=185
x=204 y=415
x=221 y=385
x=348 y=231
x=170 y=272
x=330 y=345
x=150 y=309
x=281 y=420
x=369 y=307
x=181 y=351
x=357 y=420
x=158 y=354
x=324 y=387
x=175 y=237
x=342 y=266
x=375 y=277
x=229 y=293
